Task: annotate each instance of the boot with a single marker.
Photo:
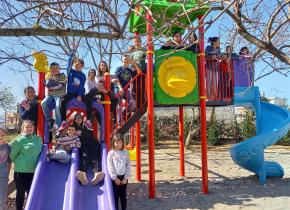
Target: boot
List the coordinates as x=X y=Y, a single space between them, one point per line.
x=98 y=176
x=82 y=177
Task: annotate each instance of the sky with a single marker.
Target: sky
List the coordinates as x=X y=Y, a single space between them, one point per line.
x=272 y=85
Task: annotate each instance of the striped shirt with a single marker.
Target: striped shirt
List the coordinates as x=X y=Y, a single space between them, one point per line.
x=57 y=85
x=68 y=142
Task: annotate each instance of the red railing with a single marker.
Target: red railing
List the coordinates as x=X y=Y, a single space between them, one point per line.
x=219 y=76
x=132 y=99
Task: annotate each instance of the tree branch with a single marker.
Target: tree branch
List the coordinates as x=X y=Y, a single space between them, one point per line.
x=39 y=31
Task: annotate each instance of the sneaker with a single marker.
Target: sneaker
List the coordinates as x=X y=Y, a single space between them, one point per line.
x=99 y=176
x=88 y=125
x=50 y=124
x=82 y=177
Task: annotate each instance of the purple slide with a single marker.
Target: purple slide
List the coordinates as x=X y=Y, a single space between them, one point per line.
x=55 y=186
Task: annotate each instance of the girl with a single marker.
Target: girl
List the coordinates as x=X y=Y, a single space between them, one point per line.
x=89 y=153
x=102 y=69
x=24 y=153
x=213 y=50
x=91 y=80
x=119 y=168
x=5 y=166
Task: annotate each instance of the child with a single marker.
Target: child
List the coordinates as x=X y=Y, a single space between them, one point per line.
x=24 y=153
x=75 y=86
x=125 y=74
x=56 y=90
x=119 y=167
x=65 y=145
x=91 y=80
x=5 y=166
x=89 y=153
x=28 y=108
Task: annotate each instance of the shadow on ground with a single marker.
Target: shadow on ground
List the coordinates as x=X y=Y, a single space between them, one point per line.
x=186 y=194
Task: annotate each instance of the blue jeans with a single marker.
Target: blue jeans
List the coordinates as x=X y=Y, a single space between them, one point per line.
x=46 y=111
x=3 y=192
x=61 y=156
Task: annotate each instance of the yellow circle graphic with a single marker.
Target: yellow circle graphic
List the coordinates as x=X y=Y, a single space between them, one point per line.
x=177 y=76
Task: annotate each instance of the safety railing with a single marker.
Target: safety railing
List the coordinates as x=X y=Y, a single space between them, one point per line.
x=219 y=79
x=131 y=101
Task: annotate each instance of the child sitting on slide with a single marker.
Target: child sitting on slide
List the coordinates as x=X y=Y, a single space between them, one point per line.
x=89 y=153
x=56 y=85
x=64 y=146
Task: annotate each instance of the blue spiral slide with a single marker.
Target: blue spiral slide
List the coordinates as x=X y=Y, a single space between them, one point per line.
x=272 y=123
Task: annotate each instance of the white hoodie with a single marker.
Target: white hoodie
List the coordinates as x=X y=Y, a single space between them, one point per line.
x=118 y=163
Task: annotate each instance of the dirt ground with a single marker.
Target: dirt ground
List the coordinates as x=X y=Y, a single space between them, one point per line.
x=230 y=187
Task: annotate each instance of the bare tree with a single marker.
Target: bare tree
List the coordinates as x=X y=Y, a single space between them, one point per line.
x=98 y=26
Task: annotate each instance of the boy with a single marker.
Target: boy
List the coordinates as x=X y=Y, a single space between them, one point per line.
x=95 y=94
x=75 y=85
x=64 y=146
x=28 y=108
x=125 y=74
x=56 y=85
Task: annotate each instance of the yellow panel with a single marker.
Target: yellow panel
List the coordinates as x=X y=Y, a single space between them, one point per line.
x=177 y=76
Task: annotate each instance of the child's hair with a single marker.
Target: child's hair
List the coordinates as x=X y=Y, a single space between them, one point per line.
x=192 y=34
x=99 y=68
x=81 y=61
x=28 y=88
x=76 y=115
x=242 y=49
x=25 y=122
x=176 y=32
x=117 y=137
x=213 y=39
x=54 y=64
x=72 y=126
x=92 y=71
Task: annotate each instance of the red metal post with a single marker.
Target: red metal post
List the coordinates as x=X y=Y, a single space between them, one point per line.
x=181 y=141
x=107 y=104
x=41 y=94
x=138 y=151
x=150 y=106
x=132 y=138
x=202 y=96
x=138 y=135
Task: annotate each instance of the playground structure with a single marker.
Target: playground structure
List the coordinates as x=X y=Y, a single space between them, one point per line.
x=199 y=81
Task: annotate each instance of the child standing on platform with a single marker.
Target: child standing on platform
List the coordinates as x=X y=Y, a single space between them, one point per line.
x=75 y=85
x=24 y=153
x=119 y=168
x=5 y=166
x=56 y=85
x=65 y=145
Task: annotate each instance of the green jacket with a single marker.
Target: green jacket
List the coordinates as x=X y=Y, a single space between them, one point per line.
x=24 y=153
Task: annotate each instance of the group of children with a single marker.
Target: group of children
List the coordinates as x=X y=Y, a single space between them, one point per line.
x=25 y=149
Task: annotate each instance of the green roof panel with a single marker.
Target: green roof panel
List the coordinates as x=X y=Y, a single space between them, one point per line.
x=164 y=12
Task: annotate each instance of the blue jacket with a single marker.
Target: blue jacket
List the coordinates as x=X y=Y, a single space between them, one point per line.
x=76 y=77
